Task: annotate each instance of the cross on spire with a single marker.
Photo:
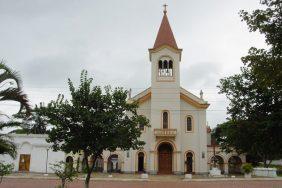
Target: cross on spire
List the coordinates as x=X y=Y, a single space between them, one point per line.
x=165 y=5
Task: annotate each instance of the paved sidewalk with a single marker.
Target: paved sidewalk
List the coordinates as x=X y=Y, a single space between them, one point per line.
x=136 y=177
x=52 y=183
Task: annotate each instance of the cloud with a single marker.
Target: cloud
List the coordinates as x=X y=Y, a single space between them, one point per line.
x=50 y=41
x=201 y=75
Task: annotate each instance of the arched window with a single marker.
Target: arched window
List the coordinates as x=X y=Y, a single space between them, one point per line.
x=170 y=64
x=189 y=123
x=165 y=64
x=165 y=120
x=160 y=64
x=165 y=68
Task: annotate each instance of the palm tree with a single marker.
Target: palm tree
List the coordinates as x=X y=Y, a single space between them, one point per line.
x=6 y=145
x=9 y=91
x=8 y=77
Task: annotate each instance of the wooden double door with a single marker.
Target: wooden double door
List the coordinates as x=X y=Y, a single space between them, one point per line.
x=24 y=162
x=165 y=159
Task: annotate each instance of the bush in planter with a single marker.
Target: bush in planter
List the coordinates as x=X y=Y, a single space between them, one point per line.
x=247 y=168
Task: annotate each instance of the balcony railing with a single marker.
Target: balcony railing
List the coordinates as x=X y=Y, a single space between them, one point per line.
x=165 y=132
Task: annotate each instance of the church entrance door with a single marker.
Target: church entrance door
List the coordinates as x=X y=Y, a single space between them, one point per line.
x=165 y=152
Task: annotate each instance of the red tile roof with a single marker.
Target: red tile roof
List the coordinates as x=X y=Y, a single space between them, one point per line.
x=165 y=35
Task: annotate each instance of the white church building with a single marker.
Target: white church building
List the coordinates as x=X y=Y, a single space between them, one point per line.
x=178 y=140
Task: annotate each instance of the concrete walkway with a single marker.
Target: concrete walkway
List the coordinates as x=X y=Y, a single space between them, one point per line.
x=49 y=183
x=136 y=177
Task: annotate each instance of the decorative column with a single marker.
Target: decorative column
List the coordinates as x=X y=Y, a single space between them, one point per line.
x=225 y=168
x=153 y=163
x=177 y=162
x=122 y=166
x=105 y=167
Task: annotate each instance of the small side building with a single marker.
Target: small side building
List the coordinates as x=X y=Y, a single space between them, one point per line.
x=33 y=154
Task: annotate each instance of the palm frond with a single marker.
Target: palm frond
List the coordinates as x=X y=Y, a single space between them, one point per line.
x=7 y=147
x=9 y=124
x=15 y=94
x=9 y=74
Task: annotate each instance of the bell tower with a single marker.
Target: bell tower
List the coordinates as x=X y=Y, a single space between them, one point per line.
x=165 y=56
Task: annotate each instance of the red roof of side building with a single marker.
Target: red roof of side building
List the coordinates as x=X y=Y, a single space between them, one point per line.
x=165 y=35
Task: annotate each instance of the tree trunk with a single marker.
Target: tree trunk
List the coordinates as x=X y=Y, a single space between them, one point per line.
x=87 y=180
x=264 y=162
x=89 y=171
x=270 y=161
x=1 y=178
x=63 y=183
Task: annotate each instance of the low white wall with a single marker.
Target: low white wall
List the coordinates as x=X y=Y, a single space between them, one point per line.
x=36 y=146
x=265 y=172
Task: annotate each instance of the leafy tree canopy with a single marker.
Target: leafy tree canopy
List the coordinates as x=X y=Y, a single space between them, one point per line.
x=255 y=94
x=35 y=123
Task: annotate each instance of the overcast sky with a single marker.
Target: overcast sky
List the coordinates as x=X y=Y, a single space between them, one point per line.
x=50 y=41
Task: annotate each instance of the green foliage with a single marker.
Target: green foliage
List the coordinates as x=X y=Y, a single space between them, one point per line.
x=6 y=144
x=35 y=123
x=5 y=169
x=255 y=109
x=64 y=171
x=93 y=120
x=247 y=168
x=11 y=87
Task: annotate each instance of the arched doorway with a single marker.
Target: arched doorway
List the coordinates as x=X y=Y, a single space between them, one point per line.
x=165 y=151
x=219 y=162
x=141 y=162
x=189 y=162
x=99 y=164
x=234 y=165
x=113 y=165
x=69 y=161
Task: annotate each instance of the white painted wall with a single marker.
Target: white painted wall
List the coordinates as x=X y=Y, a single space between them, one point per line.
x=196 y=140
x=36 y=146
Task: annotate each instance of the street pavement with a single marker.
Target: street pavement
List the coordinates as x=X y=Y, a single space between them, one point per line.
x=52 y=183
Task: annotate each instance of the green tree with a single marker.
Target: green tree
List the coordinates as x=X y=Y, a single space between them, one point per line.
x=10 y=90
x=93 y=120
x=64 y=171
x=255 y=94
x=5 y=169
x=35 y=123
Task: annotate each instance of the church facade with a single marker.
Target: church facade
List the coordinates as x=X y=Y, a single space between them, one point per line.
x=178 y=140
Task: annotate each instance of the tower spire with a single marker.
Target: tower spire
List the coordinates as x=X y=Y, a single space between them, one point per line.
x=165 y=11
x=165 y=34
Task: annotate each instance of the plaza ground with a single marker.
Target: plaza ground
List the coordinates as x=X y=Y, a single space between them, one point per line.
x=134 y=181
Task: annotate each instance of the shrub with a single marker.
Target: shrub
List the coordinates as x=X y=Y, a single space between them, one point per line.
x=64 y=171
x=5 y=169
x=247 y=168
